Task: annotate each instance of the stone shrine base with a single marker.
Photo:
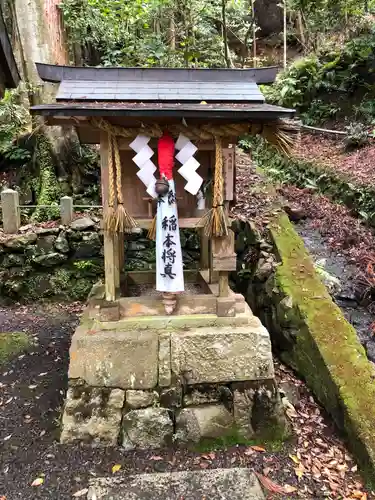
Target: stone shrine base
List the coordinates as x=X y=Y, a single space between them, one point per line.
x=149 y=382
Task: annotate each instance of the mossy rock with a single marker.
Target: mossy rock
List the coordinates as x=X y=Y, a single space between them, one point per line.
x=325 y=348
x=13 y=343
x=89 y=246
x=147 y=255
x=13 y=260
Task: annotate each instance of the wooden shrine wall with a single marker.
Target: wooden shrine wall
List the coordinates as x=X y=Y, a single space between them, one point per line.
x=134 y=191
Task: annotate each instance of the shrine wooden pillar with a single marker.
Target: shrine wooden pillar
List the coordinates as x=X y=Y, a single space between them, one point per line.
x=112 y=253
x=224 y=258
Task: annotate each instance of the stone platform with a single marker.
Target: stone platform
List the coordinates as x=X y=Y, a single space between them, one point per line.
x=216 y=484
x=152 y=381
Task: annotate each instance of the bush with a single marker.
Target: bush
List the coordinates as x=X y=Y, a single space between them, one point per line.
x=342 y=71
x=357 y=135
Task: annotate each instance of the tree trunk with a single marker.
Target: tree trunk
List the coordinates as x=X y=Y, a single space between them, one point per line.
x=285 y=45
x=301 y=29
x=254 y=34
x=172 y=32
x=227 y=57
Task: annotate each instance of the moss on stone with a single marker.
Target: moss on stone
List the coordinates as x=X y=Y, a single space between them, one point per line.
x=326 y=349
x=235 y=438
x=13 y=343
x=48 y=192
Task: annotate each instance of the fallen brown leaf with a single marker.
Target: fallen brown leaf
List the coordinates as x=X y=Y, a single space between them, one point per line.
x=289 y=489
x=299 y=471
x=270 y=485
x=38 y=481
x=80 y=493
x=203 y=465
x=249 y=452
x=294 y=458
x=257 y=448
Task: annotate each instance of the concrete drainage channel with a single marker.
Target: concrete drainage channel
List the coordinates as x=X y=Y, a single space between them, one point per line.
x=308 y=331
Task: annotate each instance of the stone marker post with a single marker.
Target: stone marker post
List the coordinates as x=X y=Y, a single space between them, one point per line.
x=11 y=211
x=66 y=210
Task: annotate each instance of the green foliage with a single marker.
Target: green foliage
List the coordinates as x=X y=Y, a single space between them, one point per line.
x=14 y=119
x=357 y=135
x=365 y=112
x=325 y=18
x=314 y=80
x=319 y=112
x=173 y=33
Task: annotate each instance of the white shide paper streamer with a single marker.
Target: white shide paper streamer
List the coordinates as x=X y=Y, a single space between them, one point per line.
x=142 y=160
x=190 y=165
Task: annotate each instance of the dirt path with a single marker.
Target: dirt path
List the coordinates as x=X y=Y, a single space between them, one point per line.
x=32 y=387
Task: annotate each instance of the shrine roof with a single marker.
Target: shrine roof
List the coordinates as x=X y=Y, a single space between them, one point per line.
x=57 y=74
x=150 y=93
x=159 y=91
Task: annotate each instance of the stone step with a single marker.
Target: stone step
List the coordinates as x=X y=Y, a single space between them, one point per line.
x=214 y=484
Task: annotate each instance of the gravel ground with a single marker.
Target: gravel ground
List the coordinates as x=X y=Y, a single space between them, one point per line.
x=315 y=464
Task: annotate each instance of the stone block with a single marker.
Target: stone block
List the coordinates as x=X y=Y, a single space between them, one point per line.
x=105 y=358
x=200 y=422
x=50 y=259
x=61 y=243
x=147 y=429
x=240 y=303
x=20 y=241
x=109 y=311
x=171 y=397
x=225 y=307
x=207 y=394
x=258 y=410
x=242 y=409
x=141 y=399
x=82 y=224
x=92 y=415
x=165 y=374
x=268 y=415
x=217 y=355
x=46 y=243
x=213 y=484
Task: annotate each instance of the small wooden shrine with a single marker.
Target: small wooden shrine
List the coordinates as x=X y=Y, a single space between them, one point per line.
x=136 y=115
x=167 y=152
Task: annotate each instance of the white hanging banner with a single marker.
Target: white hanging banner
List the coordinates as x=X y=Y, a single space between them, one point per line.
x=142 y=160
x=169 y=266
x=189 y=164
